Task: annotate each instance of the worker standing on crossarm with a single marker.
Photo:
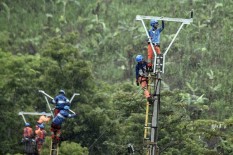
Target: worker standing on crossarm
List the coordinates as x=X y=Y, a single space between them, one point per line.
x=154 y=34
x=142 y=76
x=58 y=120
x=60 y=101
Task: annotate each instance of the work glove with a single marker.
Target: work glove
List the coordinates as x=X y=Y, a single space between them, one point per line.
x=73 y=115
x=51 y=101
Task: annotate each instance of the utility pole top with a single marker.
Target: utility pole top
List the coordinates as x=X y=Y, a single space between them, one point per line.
x=183 y=21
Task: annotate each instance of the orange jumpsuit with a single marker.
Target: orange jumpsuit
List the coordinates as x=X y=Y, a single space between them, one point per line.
x=43 y=119
x=151 y=53
x=40 y=136
x=143 y=81
x=27 y=132
x=142 y=77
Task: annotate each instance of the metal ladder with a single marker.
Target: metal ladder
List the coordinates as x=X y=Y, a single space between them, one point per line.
x=152 y=110
x=151 y=84
x=54 y=148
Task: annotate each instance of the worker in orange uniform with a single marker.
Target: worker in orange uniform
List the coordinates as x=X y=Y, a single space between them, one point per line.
x=27 y=132
x=154 y=34
x=142 y=76
x=40 y=137
x=43 y=118
x=28 y=140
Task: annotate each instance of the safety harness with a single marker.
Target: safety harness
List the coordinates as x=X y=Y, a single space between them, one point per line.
x=143 y=77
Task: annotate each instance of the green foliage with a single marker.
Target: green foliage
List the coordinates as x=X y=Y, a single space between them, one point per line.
x=89 y=48
x=66 y=148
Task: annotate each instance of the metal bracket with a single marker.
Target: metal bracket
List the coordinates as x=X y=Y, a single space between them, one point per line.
x=48 y=96
x=43 y=92
x=73 y=97
x=185 y=21
x=34 y=113
x=181 y=20
x=22 y=113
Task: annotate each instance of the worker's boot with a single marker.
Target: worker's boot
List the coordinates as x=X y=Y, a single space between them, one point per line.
x=52 y=135
x=59 y=141
x=150 y=100
x=58 y=136
x=149 y=67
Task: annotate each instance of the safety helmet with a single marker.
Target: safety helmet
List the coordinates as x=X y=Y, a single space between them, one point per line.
x=62 y=92
x=66 y=107
x=43 y=113
x=139 y=58
x=41 y=126
x=153 y=22
x=27 y=124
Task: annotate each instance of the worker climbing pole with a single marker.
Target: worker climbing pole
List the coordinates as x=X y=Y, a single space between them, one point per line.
x=155 y=77
x=32 y=143
x=54 y=147
x=61 y=111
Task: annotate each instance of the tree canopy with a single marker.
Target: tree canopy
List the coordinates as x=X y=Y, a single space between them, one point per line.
x=89 y=47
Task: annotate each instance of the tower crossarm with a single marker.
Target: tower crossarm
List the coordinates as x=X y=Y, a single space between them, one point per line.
x=34 y=113
x=181 y=20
